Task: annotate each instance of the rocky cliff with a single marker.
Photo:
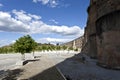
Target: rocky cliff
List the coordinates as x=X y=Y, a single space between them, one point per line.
x=102 y=33
x=75 y=44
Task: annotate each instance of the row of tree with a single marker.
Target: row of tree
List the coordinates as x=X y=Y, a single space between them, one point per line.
x=23 y=45
x=50 y=47
x=26 y=44
x=7 y=49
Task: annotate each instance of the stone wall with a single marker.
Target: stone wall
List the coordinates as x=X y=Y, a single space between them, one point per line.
x=102 y=33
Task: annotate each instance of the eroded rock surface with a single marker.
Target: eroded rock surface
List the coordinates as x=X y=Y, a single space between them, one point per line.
x=102 y=33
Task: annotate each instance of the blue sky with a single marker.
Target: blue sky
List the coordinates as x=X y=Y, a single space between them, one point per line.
x=54 y=21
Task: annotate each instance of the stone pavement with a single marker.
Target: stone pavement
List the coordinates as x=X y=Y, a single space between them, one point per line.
x=43 y=69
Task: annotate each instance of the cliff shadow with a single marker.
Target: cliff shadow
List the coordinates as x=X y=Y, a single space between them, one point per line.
x=77 y=67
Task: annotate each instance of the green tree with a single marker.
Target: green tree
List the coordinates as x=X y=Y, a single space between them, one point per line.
x=64 y=47
x=34 y=46
x=39 y=48
x=70 y=48
x=24 y=45
x=58 y=48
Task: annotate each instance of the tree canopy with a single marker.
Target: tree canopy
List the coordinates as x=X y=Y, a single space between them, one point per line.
x=25 y=44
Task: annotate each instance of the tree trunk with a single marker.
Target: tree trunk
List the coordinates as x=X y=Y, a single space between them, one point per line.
x=33 y=54
x=23 y=56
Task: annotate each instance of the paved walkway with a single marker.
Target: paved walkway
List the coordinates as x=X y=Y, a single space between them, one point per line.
x=44 y=69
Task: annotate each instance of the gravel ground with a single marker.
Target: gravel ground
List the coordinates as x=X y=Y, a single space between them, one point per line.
x=71 y=64
x=8 y=61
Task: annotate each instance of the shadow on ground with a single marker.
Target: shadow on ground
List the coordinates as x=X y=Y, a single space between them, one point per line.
x=13 y=74
x=27 y=61
x=78 y=67
x=55 y=73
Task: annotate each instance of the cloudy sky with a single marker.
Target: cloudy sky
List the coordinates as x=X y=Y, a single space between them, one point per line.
x=54 y=21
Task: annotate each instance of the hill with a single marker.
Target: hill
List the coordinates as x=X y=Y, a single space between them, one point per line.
x=75 y=44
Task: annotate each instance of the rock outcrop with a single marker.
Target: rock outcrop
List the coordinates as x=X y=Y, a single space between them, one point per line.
x=102 y=33
x=75 y=44
x=89 y=46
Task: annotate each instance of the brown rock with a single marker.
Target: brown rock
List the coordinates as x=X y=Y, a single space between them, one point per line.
x=102 y=33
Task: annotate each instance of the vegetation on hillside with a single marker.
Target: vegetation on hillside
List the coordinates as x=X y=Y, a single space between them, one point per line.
x=26 y=44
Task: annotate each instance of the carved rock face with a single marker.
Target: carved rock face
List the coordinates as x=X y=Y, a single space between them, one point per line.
x=102 y=33
x=106 y=6
x=108 y=39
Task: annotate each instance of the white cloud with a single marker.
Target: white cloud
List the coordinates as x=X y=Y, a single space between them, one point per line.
x=4 y=42
x=22 y=22
x=22 y=16
x=43 y=1
x=8 y=23
x=54 y=21
x=53 y=40
x=1 y=5
x=34 y=16
x=51 y=3
x=65 y=30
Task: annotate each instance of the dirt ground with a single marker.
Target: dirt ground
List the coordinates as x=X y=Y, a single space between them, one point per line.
x=56 y=66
